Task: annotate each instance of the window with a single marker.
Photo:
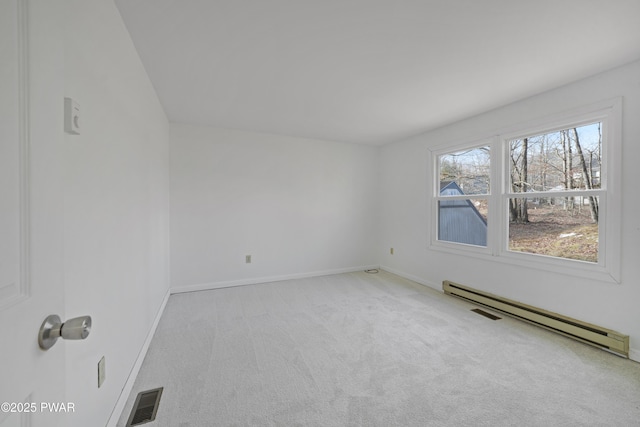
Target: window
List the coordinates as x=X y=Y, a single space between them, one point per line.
x=543 y=196
x=464 y=185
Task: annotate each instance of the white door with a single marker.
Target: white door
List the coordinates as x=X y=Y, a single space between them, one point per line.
x=31 y=276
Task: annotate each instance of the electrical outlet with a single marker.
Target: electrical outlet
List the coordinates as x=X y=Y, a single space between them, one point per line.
x=101 y=372
x=391 y=251
x=247 y=259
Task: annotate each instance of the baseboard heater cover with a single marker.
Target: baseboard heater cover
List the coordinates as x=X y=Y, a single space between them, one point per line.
x=577 y=329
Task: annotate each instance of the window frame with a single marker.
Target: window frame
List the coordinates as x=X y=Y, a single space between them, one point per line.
x=609 y=225
x=448 y=245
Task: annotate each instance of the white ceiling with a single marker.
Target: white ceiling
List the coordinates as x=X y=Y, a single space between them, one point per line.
x=368 y=71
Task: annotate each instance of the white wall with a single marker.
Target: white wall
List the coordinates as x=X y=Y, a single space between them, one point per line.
x=405 y=215
x=115 y=206
x=298 y=206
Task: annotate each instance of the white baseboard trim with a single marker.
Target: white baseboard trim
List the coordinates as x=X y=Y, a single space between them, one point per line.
x=634 y=354
x=128 y=386
x=268 y=279
x=423 y=282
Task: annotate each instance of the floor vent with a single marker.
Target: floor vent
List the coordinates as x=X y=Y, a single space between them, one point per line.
x=145 y=408
x=485 y=314
x=577 y=329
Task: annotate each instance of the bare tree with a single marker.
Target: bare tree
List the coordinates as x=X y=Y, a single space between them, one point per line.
x=567 y=163
x=519 y=180
x=524 y=178
x=593 y=201
x=544 y=158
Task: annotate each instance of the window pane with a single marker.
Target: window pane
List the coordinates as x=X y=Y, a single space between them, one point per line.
x=568 y=159
x=463 y=221
x=562 y=227
x=468 y=169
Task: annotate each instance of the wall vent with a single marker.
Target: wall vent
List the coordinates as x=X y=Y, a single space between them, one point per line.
x=145 y=407
x=577 y=329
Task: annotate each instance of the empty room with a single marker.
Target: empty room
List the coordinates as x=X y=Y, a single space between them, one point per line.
x=319 y=213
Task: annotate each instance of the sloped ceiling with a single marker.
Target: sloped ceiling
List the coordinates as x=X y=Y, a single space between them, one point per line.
x=368 y=71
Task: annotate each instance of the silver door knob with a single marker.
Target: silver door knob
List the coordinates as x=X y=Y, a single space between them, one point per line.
x=52 y=328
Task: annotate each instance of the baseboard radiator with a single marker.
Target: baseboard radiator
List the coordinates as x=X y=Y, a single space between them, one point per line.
x=590 y=334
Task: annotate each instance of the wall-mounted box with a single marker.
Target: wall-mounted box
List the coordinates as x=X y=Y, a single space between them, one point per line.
x=71 y=116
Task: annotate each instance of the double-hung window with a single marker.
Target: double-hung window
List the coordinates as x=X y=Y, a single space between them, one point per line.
x=463 y=186
x=544 y=195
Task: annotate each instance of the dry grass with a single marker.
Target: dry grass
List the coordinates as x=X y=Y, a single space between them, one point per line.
x=556 y=232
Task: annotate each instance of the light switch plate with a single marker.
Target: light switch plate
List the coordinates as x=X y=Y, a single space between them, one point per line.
x=101 y=372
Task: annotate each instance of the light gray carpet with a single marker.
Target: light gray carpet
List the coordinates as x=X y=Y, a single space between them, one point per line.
x=364 y=349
